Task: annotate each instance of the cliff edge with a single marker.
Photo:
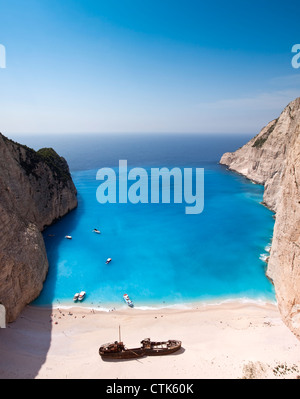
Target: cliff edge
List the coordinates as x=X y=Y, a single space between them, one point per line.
x=36 y=189
x=272 y=158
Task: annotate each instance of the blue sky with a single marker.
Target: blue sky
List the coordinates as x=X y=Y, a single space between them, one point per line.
x=146 y=66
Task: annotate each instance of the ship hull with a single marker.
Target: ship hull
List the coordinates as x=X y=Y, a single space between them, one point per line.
x=125 y=354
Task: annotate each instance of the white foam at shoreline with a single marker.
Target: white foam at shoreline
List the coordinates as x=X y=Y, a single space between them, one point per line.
x=179 y=306
x=243 y=300
x=268 y=248
x=264 y=257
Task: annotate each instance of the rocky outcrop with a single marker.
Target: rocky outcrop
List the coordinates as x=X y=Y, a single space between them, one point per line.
x=36 y=189
x=272 y=158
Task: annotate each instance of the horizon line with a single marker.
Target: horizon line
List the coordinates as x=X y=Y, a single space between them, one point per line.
x=127 y=132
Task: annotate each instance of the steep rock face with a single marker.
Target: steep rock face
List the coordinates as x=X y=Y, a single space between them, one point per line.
x=35 y=189
x=272 y=158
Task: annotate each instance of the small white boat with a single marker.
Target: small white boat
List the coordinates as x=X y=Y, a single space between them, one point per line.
x=81 y=295
x=76 y=296
x=128 y=300
x=108 y=261
x=68 y=237
x=97 y=231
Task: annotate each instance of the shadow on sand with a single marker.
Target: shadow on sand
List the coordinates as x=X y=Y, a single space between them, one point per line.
x=24 y=344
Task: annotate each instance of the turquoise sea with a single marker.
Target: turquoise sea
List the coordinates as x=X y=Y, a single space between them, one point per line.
x=160 y=255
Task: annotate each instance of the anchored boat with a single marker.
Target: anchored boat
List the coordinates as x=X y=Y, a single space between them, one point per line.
x=128 y=300
x=81 y=295
x=76 y=296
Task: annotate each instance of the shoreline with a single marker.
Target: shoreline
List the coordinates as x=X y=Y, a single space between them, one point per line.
x=227 y=341
x=188 y=305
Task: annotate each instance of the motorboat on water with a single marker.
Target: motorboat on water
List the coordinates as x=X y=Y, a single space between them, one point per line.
x=76 y=296
x=128 y=300
x=68 y=237
x=97 y=231
x=81 y=295
x=108 y=261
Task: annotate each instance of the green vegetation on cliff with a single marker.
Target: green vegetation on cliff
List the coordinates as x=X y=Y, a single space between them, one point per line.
x=259 y=142
x=29 y=159
x=56 y=163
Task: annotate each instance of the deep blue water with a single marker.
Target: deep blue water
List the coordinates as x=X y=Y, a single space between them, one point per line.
x=161 y=256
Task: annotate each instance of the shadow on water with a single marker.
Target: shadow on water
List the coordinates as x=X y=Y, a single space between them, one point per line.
x=35 y=321
x=53 y=237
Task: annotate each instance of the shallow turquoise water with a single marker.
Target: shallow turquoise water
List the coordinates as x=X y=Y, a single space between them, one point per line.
x=160 y=255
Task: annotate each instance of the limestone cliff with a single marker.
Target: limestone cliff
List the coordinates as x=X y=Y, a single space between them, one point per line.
x=36 y=189
x=272 y=158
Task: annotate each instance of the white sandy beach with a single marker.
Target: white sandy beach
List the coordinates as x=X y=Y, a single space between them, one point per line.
x=229 y=340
